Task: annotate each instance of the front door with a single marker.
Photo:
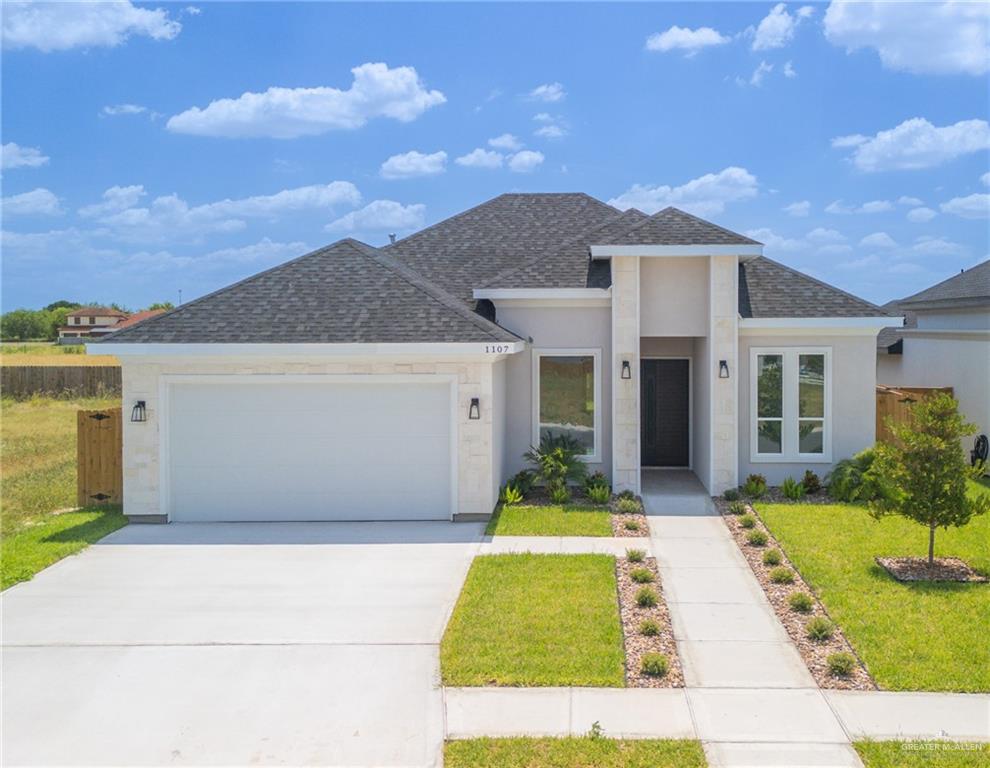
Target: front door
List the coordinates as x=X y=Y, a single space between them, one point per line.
x=665 y=404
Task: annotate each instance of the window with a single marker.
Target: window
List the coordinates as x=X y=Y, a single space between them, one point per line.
x=566 y=396
x=92 y=321
x=790 y=403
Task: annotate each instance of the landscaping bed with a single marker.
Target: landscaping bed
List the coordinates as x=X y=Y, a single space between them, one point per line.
x=655 y=619
x=829 y=657
x=573 y=752
x=941 y=569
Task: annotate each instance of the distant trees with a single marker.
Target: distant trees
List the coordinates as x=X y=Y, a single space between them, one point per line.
x=43 y=324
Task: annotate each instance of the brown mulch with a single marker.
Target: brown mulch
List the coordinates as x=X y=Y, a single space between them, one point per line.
x=814 y=653
x=637 y=644
x=917 y=569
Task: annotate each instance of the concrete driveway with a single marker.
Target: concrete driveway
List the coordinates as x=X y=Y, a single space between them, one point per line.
x=235 y=644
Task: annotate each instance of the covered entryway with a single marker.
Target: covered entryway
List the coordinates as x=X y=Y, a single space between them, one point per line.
x=666 y=409
x=286 y=448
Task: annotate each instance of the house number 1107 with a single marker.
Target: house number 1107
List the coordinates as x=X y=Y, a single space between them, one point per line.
x=496 y=349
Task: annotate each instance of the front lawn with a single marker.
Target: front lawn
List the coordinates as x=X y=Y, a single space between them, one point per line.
x=573 y=752
x=535 y=620
x=923 y=754
x=920 y=636
x=526 y=520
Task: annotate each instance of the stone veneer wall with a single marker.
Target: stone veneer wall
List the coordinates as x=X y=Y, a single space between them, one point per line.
x=723 y=345
x=140 y=381
x=625 y=398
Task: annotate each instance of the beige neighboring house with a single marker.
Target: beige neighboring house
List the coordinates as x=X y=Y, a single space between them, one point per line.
x=407 y=381
x=89 y=323
x=945 y=343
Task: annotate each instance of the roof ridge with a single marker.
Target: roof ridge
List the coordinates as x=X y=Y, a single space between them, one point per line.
x=691 y=216
x=908 y=299
x=806 y=276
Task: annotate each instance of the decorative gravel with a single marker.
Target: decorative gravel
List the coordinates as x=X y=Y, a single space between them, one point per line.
x=814 y=653
x=619 y=520
x=917 y=569
x=637 y=644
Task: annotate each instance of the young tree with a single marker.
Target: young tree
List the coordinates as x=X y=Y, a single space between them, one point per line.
x=922 y=474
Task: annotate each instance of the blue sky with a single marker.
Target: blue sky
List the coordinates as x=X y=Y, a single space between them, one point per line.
x=150 y=148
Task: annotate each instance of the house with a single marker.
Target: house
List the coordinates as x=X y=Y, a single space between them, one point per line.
x=88 y=323
x=945 y=343
x=407 y=381
x=136 y=318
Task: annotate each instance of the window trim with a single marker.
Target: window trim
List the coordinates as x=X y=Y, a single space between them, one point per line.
x=790 y=417
x=596 y=354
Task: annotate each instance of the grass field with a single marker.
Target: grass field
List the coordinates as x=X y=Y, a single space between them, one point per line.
x=573 y=752
x=923 y=754
x=45 y=353
x=524 y=520
x=535 y=620
x=921 y=636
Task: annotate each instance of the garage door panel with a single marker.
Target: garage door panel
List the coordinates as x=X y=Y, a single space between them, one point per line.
x=309 y=451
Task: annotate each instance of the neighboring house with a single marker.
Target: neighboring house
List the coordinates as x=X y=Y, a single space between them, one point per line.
x=945 y=343
x=136 y=318
x=407 y=381
x=90 y=322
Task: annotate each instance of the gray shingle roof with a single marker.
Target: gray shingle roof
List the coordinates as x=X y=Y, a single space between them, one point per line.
x=347 y=292
x=968 y=288
x=769 y=289
x=672 y=226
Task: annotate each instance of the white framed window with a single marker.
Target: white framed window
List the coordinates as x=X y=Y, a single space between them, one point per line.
x=791 y=404
x=567 y=397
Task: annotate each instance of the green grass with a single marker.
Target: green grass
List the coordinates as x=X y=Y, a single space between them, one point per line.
x=535 y=620
x=524 y=520
x=24 y=554
x=922 y=754
x=921 y=636
x=573 y=752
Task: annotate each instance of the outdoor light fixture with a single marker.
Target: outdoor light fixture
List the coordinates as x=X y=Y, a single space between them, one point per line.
x=626 y=370
x=139 y=412
x=723 y=369
x=474 y=412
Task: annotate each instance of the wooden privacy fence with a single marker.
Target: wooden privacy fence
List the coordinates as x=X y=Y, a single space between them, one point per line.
x=99 y=445
x=894 y=406
x=21 y=381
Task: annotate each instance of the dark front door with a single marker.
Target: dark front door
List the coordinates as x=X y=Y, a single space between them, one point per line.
x=664 y=407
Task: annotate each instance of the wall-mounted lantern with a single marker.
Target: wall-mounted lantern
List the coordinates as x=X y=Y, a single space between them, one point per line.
x=626 y=370
x=139 y=412
x=474 y=412
x=723 y=369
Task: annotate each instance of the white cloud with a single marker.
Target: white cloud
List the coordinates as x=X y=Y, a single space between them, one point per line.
x=684 y=39
x=799 y=209
x=923 y=38
x=789 y=71
x=264 y=251
x=938 y=246
x=525 y=161
x=549 y=92
x=413 y=164
x=921 y=215
x=115 y=199
x=776 y=243
x=552 y=131
x=480 y=158
x=286 y=113
x=834 y=249
x=113 y=110
x=543 y=117
x=976 y=206
x=37 y=202
x=985 y=178
x=15 y=156
x=916 y=143
x=762 y=70
x=824 y=235
x=506 y=141
x=379 y=216
x=777 y=28
x=908 y=200
x=873 y=206
x=62 y=26
x=705 y=196
x=878 y=240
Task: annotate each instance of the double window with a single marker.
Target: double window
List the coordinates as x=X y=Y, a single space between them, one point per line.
x=790 y=404
x=567 y=396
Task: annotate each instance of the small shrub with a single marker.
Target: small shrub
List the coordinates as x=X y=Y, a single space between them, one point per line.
x=510 y=495
x=597 y=480
x=747 y=521
x=649 y=628
x=801 y=602
x=523 y=481
x=792 y=489
x=635 y=555
x=558 y=459
x=646 y=597
x=654 y=664
x=559 y=493
x=755 y=486
x=841 y=664
x=731 y=495
x=596 y=732
x=631 y=525
x=782 y=575
x=600 y=494
x=819 y=629
x=627 y=494
x=627 y=506
x=811 y=482
x=641 y=575
x=756 y=538
x=853 y=479
x=772 y=557
x=737 y=508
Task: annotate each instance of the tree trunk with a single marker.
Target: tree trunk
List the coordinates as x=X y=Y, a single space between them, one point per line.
x=931 y=545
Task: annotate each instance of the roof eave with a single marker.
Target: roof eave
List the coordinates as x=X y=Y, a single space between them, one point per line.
x=660 y=251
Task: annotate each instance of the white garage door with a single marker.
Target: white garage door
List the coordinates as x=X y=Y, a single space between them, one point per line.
x=375 y=448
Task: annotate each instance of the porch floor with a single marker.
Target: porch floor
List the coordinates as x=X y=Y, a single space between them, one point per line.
x=676 y=492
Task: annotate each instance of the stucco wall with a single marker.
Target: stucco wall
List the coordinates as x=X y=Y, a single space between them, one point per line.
x=673 y=296
x=853 y=401
x=475 y=444
x=552 y=327
x=969 y=319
